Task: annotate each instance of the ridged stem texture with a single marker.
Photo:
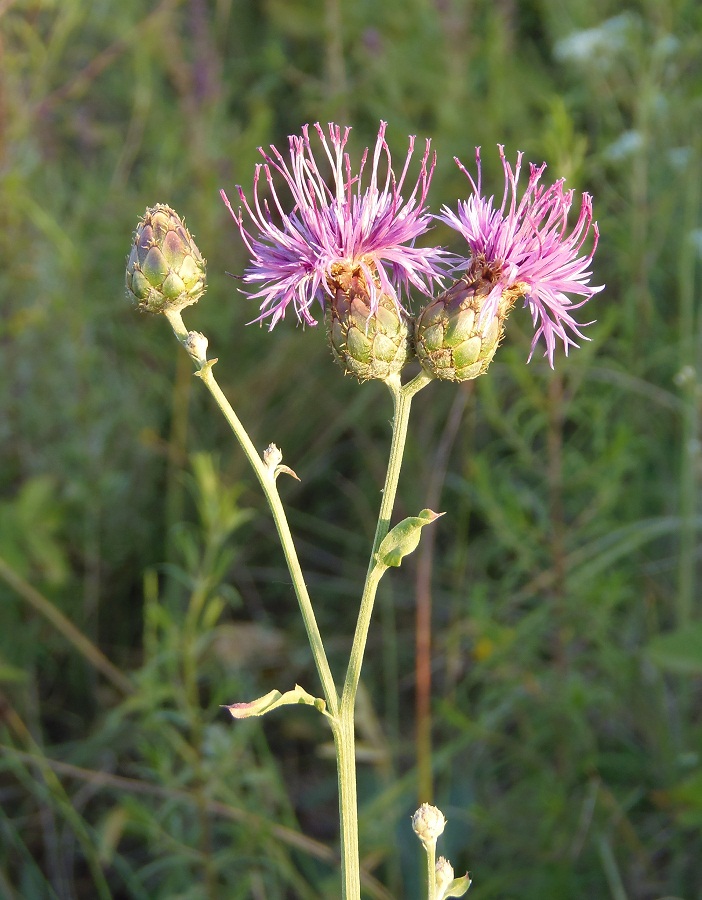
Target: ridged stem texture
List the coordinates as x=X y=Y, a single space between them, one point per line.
x=267 y=479
x=345 y=734
x=341 y=710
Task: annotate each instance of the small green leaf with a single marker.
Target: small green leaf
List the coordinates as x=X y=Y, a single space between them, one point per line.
x=678 y=651
x=403 y=538
x=11 y=674
x=458 y=887
x=274 y=699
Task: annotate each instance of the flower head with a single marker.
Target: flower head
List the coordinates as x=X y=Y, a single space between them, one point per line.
x=165 y=270
x=428 y=823
x=444 y=875
x=525 y=249
x=367 y=232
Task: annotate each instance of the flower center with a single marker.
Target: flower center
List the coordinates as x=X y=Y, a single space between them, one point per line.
x=483 y=275
x=348 y=276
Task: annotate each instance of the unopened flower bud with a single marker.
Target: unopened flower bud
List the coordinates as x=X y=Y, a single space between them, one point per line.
x=272 y=456
x=444 y=875
x=453 y=340
x=165 y=270
x=196 y=345
x=365 y=344
x=428 y=823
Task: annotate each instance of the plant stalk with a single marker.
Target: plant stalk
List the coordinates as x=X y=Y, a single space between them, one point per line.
x=431 y=869
x=344 y=733
x=267 y=479
x=402 y=400
x=342 y=709
x=345 y=745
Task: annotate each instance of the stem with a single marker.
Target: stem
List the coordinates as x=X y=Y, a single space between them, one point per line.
x=402 y=400
x=344 y=732
x=266 y=478
x=431 y=869
x=341 y=710
x=345 y=745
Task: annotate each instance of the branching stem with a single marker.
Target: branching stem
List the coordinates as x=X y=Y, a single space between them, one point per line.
x=341 y=709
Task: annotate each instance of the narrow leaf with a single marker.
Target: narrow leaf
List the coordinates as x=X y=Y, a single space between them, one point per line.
x=403 y=538
x=274 y=699
x=678 y=651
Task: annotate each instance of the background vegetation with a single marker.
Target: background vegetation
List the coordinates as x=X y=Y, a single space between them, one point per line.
x=140 y=583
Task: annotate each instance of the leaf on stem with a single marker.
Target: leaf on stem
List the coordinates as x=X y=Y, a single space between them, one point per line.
x=403 y=538
x=274 y=699
x=458 y=887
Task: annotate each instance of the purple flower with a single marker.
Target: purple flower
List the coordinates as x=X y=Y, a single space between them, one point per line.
x=527 y=250
x=369 y=231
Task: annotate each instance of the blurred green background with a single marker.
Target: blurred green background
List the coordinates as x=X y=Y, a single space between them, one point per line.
x=141 y=584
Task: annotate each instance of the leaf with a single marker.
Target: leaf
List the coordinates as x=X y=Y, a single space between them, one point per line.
x=272 y=700
x=111 y=832
x=678 y=651
x=403 y=538
x=30 y=531
x=11 y=674
x=683 y=800
x=458 y=887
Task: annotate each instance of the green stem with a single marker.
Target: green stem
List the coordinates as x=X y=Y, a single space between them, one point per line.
x=402 y=400
x=267 y=479
x=345 y=745
x=431 y=869
x=341 y=710
x=344 y=732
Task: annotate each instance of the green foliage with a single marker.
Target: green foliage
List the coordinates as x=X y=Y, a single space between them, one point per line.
x=403 y=538
x=565 y=590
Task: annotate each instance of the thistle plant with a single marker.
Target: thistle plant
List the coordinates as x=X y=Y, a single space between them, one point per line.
x=326 y=236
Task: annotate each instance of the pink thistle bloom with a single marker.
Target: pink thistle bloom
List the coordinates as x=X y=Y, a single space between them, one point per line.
x=343 y=228
x=528 y=251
